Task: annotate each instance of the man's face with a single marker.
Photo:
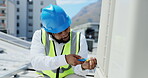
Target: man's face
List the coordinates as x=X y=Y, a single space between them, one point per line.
x=62 y=37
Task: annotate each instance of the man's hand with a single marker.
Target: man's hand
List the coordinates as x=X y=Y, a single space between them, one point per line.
x=72 y=59
x=90 y=64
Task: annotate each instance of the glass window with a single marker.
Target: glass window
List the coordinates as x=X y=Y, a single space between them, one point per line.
x=30 y=17
x=42 y=3
x=18 y=9
x=17 y=31
x=18 y=2
x=18 y=24
x=18 y=17
x=29 y=30
x=30 y=10
x=30 y=1
x=3 y=11
x=3 y=21
x=30 y=24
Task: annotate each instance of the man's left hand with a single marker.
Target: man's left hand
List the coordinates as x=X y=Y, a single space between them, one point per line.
x=90 y=64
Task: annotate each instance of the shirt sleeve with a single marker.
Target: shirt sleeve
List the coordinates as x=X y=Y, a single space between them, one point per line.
x=39 y=60
x=83 y=53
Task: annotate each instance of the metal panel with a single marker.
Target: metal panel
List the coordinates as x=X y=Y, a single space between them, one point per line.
x=128 y=52
x=14 y=40
x=129 y=40
x=105 y=35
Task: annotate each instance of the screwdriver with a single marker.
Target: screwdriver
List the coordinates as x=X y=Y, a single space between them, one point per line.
x=83 y=59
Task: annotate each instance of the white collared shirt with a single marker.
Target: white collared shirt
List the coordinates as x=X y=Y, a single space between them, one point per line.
x=40 y=61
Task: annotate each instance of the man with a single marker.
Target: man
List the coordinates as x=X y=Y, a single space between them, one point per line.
x=56 y=49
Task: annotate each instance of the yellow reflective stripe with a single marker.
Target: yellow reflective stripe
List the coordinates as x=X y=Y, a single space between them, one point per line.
x=43 y=36
x=40 y=74
x=65 y=66
x=52 y=49
x=78 y=42
x=49 y=73
x=67 y=49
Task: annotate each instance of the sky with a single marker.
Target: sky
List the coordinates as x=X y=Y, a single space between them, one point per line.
x=72 y=7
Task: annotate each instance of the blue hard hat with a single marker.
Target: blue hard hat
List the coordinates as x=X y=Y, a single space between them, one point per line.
x=54 y=19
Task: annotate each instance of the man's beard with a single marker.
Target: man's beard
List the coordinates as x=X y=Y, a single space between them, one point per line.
x=61 y=40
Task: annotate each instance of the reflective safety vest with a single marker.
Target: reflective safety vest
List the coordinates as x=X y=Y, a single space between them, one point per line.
x=71 y=47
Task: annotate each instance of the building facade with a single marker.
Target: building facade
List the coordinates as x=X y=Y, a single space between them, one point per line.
x=23 y=17
x=3 y=15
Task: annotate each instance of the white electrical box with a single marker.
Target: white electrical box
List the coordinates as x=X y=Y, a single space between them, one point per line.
x=123 y=40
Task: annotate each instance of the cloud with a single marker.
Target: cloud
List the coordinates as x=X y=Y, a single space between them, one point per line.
x=62 y=2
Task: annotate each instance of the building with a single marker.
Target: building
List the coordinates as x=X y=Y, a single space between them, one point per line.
x=23 y=17
x=3 y=16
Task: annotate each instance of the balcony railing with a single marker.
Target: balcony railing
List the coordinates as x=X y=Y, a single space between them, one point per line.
x=2 y=5
x=2 y=16
x=2 y=26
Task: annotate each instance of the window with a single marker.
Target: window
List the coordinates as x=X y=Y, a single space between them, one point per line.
x=30 y=17
x=18 y=2
x=18 y=9
x=30 y=10
x=17 y=32
x=41 y=3
x=3 y=21
x=3 y=11
x=30 y=24
x=18 y=24
x=18 y=17
x=29 y=30
x=30 y=1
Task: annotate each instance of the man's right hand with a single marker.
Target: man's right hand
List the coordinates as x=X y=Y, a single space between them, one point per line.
x=72 y=59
